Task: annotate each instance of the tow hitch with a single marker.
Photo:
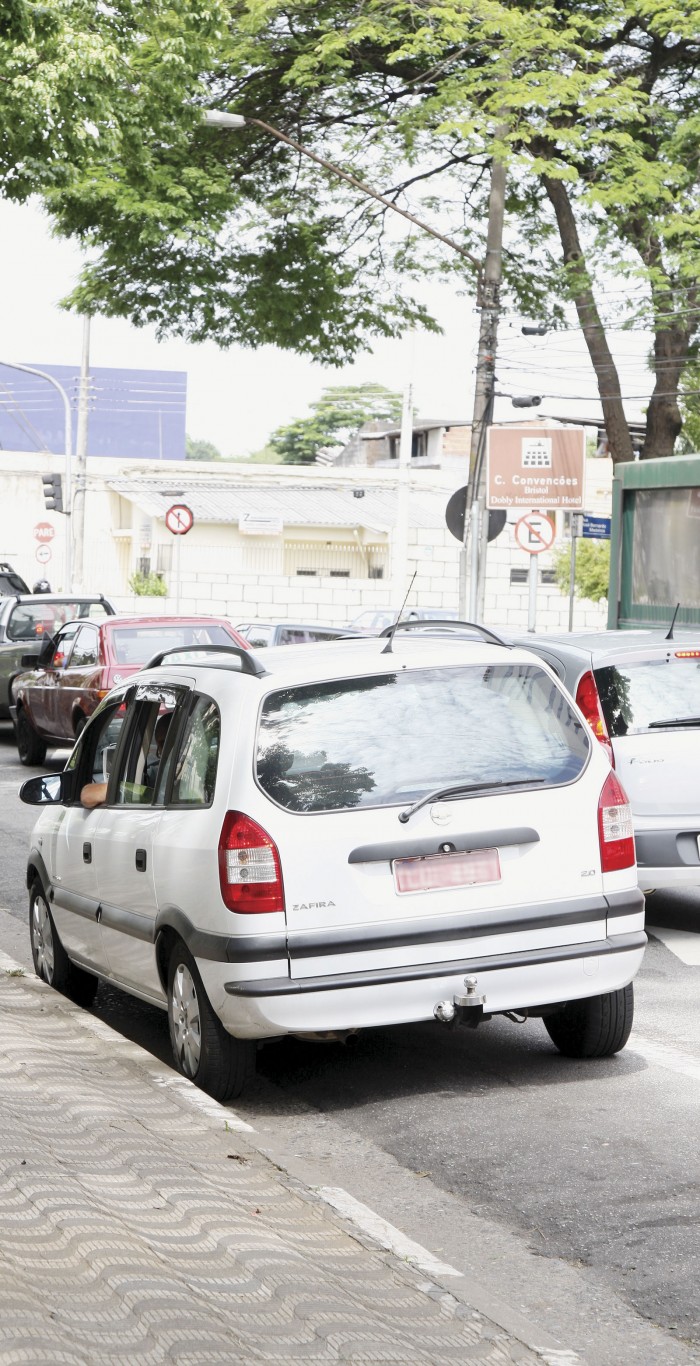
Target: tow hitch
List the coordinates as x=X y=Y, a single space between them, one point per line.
x=465 y=1007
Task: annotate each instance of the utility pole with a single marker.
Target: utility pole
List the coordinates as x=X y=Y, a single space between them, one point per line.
x=475 y=518
x=81 y=446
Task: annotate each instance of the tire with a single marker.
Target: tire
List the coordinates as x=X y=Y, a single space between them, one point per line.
x=594 y=1028
x=51 y=962
x=30 y=746
x=203 y=1050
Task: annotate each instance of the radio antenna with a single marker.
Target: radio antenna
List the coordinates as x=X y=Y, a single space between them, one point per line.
x=387 y=648
x=670 y=629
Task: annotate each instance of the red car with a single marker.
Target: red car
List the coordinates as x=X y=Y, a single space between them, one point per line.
x=85 y=660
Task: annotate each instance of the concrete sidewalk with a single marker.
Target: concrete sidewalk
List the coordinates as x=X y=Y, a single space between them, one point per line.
x=139 y=1225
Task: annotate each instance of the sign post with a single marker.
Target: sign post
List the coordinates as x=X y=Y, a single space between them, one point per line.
x=534 y=533
x=179 y=519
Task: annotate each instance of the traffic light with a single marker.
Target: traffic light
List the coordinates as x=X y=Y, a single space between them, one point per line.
x=53 y=492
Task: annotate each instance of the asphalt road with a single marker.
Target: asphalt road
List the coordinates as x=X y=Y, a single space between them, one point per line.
x=590 y=1169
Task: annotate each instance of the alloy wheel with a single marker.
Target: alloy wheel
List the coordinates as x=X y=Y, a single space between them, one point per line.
x=187 y=1026
x=42 y=939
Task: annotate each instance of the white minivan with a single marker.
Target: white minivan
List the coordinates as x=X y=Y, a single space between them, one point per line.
x=340 y=836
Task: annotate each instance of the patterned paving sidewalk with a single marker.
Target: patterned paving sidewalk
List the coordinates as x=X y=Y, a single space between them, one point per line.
x=137 y=1227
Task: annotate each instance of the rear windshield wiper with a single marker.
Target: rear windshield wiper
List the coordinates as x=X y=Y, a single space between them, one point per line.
x=442 y=793
x=675 y=721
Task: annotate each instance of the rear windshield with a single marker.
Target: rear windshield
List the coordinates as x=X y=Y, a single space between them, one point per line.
x=33 y=621
x=644 y=694
x=395 y=737
x=138 y=644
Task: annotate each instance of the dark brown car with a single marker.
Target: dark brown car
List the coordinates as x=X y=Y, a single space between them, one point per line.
x=85 y=660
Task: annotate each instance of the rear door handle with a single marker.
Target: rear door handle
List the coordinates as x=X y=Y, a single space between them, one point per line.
x=141 y=860
x=87 y=852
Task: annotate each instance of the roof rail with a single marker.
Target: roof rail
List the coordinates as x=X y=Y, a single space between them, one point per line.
x=250 y=664
x=436 y=625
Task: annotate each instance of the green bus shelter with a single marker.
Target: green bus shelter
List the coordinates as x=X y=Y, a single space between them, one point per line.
x=655 y=543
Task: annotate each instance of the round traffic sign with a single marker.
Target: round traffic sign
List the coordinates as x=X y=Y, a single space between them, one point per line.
x=179 y=519
x=455 y=513
x=534 y=533
x=43 y=553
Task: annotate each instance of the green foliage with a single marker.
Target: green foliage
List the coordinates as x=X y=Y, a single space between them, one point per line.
x=197 y=449
x=340 y=411
x=148 y=585
x=592 y=571
x=237 y=238
x=689 y=443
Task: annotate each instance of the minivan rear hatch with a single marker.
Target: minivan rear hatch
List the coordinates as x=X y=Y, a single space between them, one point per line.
x=421 y=806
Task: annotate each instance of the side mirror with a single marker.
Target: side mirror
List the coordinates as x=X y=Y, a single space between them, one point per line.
x=48 y=790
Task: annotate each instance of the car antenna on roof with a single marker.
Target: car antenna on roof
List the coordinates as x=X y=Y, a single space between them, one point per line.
x=387 y=648
x=670 y=629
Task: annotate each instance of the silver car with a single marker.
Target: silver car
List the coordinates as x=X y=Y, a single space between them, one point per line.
x=640 y=693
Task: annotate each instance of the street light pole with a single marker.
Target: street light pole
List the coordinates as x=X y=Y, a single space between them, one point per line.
x=81 y=446
x=67 y=446
x=476 y=527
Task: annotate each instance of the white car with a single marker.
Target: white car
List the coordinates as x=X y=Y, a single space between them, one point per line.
x=359 y=834
x=640 y=693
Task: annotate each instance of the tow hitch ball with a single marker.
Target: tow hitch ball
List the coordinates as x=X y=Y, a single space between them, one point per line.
x=464 y=1008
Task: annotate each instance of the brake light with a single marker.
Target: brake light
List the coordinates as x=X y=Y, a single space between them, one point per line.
x=687 y=654
x=615 y=832
x=249 y=867
x=588 y=700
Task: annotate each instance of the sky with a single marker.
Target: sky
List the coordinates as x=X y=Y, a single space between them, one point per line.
x=236 y=398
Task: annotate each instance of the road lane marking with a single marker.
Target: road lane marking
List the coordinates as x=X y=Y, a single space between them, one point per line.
x=662 y=1055
x=388 y=1237
x=683 y=943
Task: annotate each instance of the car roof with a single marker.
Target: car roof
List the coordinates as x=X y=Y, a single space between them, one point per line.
x=599 y=646
x=280 y=666
x=119 y=620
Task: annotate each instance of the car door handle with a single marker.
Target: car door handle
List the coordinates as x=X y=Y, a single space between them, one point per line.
x=141 y=860
x=87 y=852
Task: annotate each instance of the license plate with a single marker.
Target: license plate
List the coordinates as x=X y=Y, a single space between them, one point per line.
x=441 y=871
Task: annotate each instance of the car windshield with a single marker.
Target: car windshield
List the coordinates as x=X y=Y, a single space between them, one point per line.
x=394 y=737
x=34 y=620
x=138 y=644
x=641 y=694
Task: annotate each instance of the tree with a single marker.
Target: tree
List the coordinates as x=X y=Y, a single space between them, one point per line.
x=592 y=104
x=592 y=571
x=197 y=449
x=340 y=411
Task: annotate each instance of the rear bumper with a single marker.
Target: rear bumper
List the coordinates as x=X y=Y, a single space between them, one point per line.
x=400 y=995
x=668 y=858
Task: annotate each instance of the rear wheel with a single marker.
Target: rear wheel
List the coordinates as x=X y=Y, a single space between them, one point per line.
x=203 y=1050
x=594 y=1028
x=51 y=962
x=30 y=746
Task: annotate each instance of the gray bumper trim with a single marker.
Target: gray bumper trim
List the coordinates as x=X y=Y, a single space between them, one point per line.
x=619 y=943
x=668 y=849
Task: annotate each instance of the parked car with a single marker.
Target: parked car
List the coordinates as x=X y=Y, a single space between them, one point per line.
x=339 y=839
x=10 y=581
x=84 y=660
x=373 y=620
x=261 y=634
x=640 y=693
x=27 y=620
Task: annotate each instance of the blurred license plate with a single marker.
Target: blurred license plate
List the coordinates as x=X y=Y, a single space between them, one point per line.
x=446 y=870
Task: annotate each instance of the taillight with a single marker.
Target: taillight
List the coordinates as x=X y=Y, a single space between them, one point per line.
x=615 y=831
x=249 y=867
x=588 y=699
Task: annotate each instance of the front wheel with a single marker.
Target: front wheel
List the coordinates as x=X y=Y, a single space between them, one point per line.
x=203 y=1050
x=51 y=962
x=30 y=746
x=596 y=1027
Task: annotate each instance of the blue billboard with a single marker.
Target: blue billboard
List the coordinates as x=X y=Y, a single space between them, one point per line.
x=137 y=414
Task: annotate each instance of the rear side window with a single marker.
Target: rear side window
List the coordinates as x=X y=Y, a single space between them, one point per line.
x=646 y=693
x=198 y=757
x=394 y=737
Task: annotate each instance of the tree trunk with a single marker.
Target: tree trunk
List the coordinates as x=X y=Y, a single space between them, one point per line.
x=617 y=430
